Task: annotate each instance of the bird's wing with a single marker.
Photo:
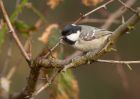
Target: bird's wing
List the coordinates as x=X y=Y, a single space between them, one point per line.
x=94 y=34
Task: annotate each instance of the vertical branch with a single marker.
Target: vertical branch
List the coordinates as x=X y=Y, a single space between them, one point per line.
x=121 y=72
x=12 y=31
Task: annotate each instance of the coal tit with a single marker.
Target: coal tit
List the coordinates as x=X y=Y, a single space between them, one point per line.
x=83 y=37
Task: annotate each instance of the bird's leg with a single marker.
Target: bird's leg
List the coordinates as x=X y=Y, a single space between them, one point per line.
x=108 y=46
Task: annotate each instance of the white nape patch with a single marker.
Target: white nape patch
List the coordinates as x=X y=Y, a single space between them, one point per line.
x=73 y=24
x=74 y=36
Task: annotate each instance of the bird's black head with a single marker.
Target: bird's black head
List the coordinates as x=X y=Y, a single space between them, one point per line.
x=70 y=29
x=70 y=33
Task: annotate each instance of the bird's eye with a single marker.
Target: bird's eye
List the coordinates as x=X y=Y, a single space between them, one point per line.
x=64 y=32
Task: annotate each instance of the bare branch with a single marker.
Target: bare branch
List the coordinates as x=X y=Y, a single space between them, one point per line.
x=12 y=31
x=118 y=62
x=125 y=5
x=94 y=10
x=117 y=14
x=101 y=21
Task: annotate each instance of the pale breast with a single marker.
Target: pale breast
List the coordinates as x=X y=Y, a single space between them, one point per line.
x=90 y=45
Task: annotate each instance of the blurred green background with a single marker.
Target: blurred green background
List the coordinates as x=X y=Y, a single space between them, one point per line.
x=96 y=81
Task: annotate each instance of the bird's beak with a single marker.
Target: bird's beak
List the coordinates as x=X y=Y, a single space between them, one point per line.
x=61 y=37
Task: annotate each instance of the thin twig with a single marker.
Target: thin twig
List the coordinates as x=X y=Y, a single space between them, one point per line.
x=117 y=14
x=52 y=49
x=12 y=31
x=118 y=62
x=101 y=21
x=128 y=7
x=94 y=10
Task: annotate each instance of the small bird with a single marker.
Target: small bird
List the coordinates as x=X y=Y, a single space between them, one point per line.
x=83 y=37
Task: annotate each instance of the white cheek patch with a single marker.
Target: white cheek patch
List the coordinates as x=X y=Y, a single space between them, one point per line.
x=74 y=36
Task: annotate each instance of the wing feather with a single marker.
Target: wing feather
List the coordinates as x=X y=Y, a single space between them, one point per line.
x=94 y=34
